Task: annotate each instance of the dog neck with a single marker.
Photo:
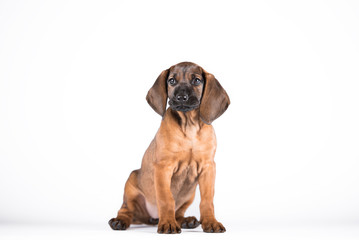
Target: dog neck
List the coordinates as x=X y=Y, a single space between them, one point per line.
x=187 y=121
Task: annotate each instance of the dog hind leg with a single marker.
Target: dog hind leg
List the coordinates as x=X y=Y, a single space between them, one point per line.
x=133 y=209
x=186 y=222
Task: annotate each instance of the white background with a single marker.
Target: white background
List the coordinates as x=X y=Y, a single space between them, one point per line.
x=74 y=121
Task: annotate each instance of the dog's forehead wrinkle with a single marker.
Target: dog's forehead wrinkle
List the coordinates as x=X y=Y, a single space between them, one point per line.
x=186 y=67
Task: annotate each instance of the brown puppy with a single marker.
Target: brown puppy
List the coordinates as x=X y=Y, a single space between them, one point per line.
x=180 y=156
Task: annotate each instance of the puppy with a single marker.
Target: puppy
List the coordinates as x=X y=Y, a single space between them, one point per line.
x=181 y=155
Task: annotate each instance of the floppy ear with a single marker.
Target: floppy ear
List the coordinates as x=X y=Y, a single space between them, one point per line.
x=215 y=100
x=157 y=95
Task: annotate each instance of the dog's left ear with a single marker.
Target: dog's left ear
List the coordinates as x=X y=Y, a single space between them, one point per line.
x=215 y=100
x=157 y=95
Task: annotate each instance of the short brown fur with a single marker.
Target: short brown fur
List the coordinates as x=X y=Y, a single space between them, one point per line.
x=179 y=157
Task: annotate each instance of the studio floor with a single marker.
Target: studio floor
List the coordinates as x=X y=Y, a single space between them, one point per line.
x=340 y=231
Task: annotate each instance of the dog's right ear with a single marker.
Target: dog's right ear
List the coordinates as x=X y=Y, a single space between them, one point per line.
x=157 y=95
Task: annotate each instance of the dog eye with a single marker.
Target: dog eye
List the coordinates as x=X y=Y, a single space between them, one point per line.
x=172 y=81
x=196 y=81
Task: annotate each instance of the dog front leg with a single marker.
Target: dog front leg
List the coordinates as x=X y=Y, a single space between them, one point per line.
x=206 y=187
x=165 y=202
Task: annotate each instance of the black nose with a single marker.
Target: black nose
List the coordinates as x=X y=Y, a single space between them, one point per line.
x=182 y=97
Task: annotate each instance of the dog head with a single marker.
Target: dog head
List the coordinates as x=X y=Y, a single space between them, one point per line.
x=188 y=87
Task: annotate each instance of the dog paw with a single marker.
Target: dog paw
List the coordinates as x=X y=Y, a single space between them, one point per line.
x=119 y=224
x=168 y=227
x=188 y=222
x=213 y=226
x=153 y=221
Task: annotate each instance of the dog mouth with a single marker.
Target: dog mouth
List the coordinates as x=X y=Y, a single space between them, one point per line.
x=182 y=107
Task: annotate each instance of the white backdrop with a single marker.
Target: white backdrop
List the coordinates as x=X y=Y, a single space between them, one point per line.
x=74 y=121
